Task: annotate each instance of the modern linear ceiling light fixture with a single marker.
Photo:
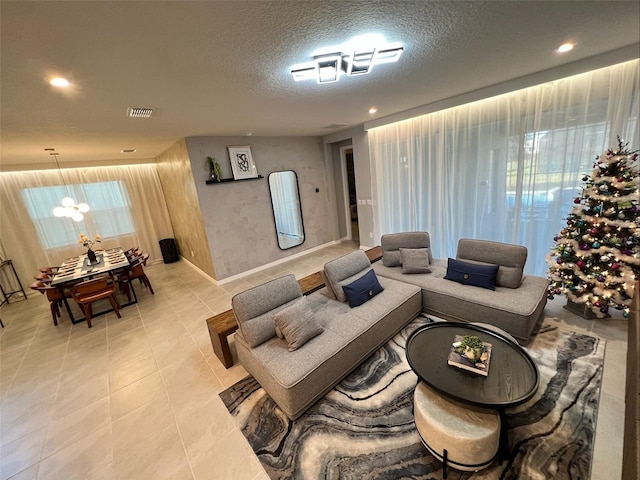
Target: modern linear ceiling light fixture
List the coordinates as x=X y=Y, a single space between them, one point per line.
x=69 y=207
x=352 y=59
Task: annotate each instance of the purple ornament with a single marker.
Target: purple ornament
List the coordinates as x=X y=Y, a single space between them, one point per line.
x=584 y=246
x=601 y=278
x=559 y=261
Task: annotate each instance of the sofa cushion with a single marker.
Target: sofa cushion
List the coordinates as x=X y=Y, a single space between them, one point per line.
x=363 y=289
x=392 y=242
x=297 y=324
x=415 y=260
x=472 y=274
x=254 y=308
x=510 y=258
x=345 y=270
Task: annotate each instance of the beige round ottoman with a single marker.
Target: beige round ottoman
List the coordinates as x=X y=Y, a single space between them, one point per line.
x=462 y=436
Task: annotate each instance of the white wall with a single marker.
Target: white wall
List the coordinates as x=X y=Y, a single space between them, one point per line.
x=362 y=171
x=237 y=215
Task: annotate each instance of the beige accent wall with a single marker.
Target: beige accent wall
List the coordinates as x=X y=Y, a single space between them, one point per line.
x=238 y=218
x=174 y=169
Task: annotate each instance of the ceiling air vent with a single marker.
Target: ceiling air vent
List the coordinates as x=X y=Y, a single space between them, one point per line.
x=139 y=112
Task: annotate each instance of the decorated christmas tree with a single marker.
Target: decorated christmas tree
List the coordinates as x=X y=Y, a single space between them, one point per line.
x=596 y=258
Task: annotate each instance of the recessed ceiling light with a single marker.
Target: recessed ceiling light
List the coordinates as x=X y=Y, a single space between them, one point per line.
x=565 y=47
x=373 y=110
x=128 y=150
x=59 y=82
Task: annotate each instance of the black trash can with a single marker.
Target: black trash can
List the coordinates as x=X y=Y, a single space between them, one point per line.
x=169 y=250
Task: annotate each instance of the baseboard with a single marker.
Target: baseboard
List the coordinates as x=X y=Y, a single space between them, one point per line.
x=274 y=263
x=205 y=275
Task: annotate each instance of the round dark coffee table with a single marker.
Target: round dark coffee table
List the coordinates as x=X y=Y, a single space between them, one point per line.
x=512 y=376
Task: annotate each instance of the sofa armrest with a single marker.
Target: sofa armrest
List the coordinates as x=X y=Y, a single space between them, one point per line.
x=510 y=258
x=392 y=243
x=348 y=267
x=253 y=308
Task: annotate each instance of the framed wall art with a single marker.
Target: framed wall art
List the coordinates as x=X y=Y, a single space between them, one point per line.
x=242 y=163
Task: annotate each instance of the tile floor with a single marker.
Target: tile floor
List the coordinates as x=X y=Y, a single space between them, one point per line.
x=136 y=397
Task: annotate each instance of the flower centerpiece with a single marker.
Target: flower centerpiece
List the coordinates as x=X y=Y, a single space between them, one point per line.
x=88 y=243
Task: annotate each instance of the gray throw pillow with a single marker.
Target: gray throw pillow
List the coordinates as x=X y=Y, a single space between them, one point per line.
x=415 y=260
x=297 y=324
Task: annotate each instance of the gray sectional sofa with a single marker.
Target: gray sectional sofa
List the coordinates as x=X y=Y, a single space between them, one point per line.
x=299 y=347
x=516 y=305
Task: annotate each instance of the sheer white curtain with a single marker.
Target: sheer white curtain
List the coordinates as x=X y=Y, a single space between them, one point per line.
x=505 y=168
x=127 y=209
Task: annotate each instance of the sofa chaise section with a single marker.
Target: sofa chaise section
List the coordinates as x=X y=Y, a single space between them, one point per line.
x=295 y=380
x=516 y=305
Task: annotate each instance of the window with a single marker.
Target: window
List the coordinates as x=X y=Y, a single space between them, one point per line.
x=110 y=213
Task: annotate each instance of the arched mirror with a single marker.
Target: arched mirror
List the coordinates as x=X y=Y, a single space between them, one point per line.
x=287 y=213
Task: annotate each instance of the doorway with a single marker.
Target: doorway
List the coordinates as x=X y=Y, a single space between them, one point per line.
x=351 y=198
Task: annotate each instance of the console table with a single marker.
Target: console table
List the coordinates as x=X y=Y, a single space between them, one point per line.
x=6 y=295
x=224 y=324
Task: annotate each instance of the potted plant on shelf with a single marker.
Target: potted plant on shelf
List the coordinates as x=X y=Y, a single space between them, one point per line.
x=214 y=169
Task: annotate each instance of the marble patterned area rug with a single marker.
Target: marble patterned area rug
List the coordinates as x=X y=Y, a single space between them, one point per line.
x=364 y=429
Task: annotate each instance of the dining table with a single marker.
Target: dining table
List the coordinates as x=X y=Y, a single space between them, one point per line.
x=74 y=270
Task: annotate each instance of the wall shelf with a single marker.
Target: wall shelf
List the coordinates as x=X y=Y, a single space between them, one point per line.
x=226 y=180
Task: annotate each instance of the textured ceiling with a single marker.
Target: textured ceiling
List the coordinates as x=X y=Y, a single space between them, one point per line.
x=222 y=67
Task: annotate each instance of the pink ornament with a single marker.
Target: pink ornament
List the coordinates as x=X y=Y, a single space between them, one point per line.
x=576 y=200
x=615 y=266
x=580 y=263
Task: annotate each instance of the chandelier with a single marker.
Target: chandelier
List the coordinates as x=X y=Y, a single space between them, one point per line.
x=69 y=207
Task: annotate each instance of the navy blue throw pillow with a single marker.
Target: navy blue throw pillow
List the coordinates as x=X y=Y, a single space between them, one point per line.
x=472 y=274
x=363 y=289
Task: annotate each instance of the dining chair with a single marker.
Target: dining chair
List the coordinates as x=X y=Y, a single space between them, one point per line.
x=133 y=253
x=43 y=277
x=54 y=296
x=87 y=293
x=135 y=271
x=49 y=270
